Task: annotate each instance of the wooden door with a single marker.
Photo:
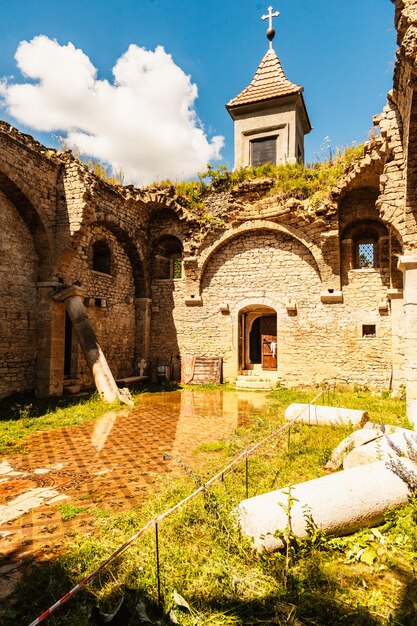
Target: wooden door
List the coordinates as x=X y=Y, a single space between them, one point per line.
x=269 y=342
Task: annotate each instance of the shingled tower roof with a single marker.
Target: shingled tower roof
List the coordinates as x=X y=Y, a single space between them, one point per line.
x=269 y=82
x=270 y=116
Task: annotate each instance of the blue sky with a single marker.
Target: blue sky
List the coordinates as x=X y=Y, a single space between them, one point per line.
x=341 y=52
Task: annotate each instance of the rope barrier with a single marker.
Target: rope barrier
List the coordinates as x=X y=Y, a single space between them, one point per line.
x=156 y=520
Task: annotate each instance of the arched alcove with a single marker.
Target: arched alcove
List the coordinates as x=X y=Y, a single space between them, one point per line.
x=19 y=272
x=166 y=258
x=102 y=257
x=33 y=221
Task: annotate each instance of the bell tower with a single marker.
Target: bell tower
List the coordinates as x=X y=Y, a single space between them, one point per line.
x=270 y=115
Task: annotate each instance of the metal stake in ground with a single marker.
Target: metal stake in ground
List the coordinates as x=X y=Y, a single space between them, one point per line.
x=247 y=474
x=158 y=567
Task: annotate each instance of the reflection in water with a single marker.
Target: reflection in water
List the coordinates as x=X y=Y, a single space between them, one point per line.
x=112 y=462
x=102 y=430
x=175 y=421
x=207 y=416
x=128 y=446
x=187 y=408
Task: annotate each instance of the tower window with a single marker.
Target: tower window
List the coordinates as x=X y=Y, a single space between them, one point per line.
x=263 y=151
x=101 y=257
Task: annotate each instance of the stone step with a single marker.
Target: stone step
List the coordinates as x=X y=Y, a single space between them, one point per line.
x=254 y=383
x=263 y=374
x=68 y=382
x=72 y=390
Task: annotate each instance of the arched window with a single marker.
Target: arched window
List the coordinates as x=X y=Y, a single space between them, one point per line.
x=167 y=258
x=367 y=241
x=366 y=252
x=369 y=244
x=101 y=257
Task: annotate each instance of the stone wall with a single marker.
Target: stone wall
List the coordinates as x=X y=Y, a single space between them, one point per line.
x=258 y=267
x=109 y=298
x=18 y=316
x=28 y=178
x=257 y=249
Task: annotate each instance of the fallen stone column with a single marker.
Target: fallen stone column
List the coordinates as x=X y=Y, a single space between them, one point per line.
x=354 y=440
x=339 y=504
x=325 y=415
x=96 y=361
x=394 y=443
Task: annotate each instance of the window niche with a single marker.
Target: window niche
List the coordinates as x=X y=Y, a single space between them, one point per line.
x=167 y=259
x=365 y=245
x=368 y=330
x=263 y=150
x=365 y=253
x=176 y=266
x=102 y=257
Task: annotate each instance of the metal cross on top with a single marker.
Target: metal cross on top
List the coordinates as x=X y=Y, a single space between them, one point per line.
x=270 y=33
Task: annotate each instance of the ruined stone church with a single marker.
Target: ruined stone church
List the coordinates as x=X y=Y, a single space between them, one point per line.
x=267 y=287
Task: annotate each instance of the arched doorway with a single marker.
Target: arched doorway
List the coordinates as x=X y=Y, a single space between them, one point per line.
x=258 y=348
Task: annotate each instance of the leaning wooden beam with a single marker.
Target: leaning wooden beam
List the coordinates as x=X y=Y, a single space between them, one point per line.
x=96 y=361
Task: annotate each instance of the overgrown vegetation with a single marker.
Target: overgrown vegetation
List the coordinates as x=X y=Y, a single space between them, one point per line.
x=98 y=168
x=211 y=575
x=69 y=511
x=313 y=181
x=105 y=172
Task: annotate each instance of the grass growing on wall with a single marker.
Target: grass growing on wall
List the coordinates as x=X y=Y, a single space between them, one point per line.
x=312 y=181
x=210 y=575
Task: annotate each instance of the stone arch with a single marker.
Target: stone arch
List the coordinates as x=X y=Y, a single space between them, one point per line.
x=358 y=203
x=142 y=288
x=165 y=222
x=33 y=221
x=248 y=303
x=347 y=215
x=113 y=300
x=313 y=249
x=360 y=220
x=133 y=252
x=19 y=273
x=163 y=214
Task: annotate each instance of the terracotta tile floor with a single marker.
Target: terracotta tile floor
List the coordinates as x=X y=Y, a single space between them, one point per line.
x=108 y=463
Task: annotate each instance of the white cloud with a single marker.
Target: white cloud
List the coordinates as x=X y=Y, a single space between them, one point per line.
x=143 y=123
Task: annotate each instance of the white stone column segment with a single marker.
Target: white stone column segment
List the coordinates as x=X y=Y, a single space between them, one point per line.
x=96 y=361
x=339 y=504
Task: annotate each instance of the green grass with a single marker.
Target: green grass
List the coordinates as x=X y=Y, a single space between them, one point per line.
x=21 y=417
x=69 y=511
x=301 y=182
x=367 y=579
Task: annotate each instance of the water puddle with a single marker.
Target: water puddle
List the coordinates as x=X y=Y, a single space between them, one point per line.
x=108 y=463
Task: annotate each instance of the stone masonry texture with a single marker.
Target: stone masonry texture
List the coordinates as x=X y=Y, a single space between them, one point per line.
x=259 y=253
